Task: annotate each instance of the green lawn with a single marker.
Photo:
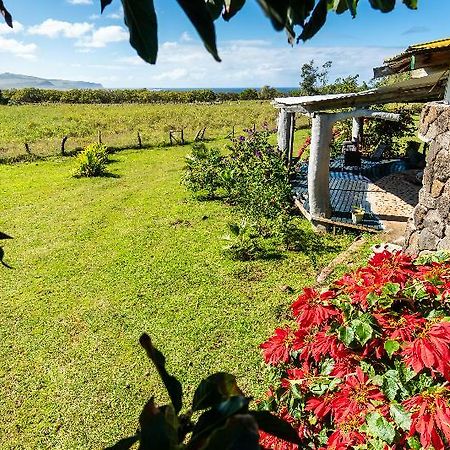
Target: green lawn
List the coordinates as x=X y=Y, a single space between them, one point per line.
x=99 y=261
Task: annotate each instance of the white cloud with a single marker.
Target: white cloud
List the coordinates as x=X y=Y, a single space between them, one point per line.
x=56 y=28
x=80 y=2
x=186 y=37
x=116 y=15
x=104 y=36
x=4 y=29
x=12 y=46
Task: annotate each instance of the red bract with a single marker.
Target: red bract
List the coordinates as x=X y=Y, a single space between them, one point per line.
x=430 y=350
x=431 y=419
x=276 y=349
x=400 y=327
x=347 y=434
x=395 y=267
x=356 y=395
x=312 y=308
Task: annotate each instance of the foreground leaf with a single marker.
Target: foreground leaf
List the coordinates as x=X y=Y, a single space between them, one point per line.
x=200 y=17
x=172 y=385
x=275 y=426
x=140 y=18
x=6 y=15
x=214 y=390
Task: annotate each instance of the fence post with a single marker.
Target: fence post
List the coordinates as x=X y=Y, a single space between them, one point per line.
x=63 y=143
x=139 y=139
x=100 y=137
x=27 y=148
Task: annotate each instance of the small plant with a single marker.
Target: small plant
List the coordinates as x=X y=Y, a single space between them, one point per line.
x=224 y=419
x=365 y=363
x=92 y=161
x=357 y=214
x=204 y=167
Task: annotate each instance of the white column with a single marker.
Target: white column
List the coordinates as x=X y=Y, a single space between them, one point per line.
x=319 y=166
x=357 y=129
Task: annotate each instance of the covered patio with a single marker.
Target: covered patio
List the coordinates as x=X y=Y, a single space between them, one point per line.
x=324 y=190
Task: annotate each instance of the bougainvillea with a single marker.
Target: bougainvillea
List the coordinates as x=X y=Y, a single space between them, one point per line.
x=365 y=364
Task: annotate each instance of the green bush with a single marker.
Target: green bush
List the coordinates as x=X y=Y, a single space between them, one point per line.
x=91 y=162
x=203 y=170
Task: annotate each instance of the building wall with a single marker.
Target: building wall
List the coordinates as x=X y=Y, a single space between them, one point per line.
x=429 y=228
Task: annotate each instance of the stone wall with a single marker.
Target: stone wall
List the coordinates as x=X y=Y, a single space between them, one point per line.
x=429 y=228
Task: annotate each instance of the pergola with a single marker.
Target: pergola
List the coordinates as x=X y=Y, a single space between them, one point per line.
x=325 y=110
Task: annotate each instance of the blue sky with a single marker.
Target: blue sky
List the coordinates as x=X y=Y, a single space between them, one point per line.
x=69 y=39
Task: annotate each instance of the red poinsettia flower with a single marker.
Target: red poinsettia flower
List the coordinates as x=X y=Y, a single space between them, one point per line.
x=431 y=418
x=320 y=406
x=317 y=343
x=344 y=367
x=436 y=277
x=356 y=395
x=314 y=308
x=395 y=267
x=431 y=349
x=347 y=434
x=302 y=377
x=400 y=327
x=276 y=350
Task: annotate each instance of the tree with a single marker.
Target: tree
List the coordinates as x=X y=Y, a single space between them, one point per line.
x=312 y=78
x=310 y=15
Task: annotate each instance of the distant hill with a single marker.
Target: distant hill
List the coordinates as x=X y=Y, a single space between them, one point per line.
x=12 y=81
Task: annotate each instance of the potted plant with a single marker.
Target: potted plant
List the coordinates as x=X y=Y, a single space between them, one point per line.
x=357 y=214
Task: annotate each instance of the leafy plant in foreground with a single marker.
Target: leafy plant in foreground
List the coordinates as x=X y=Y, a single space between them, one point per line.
x=366 y=363
x=225 y=421
x=92 y=161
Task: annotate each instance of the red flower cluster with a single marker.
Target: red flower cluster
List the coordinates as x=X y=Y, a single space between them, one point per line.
x=367 y=361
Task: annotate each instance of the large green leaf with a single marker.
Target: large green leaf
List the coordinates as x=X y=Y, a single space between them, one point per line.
x=199 y=15
x=316 y=21
x=104 y=4
x=400 y=416
x=383 y=5
x=172 y=385
x=215 y=8
x=214 y=390
x=299 y=11
x=232 y=7
x=277 y=11
x=379 y=427
x=412 y=4
x=158 y=428
x=6 y=15
x=140 y=18
x=275 y=426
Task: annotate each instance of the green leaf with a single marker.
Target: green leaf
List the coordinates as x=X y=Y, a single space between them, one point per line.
x=172 y=385
x=414 y=443
x=140 y=18
x=104 y=4
x=411 y=4
x=400 y=416
x=316 y=21
x=6 y=15
x=199 y=15
x=215 y=8
x=232 y=7
x=391 y=346
x=352 y=5
x=157 y=428
x=383 y=5
x=299 y=11
x=275 y=426
x=234 y=228
x=391 y=289
x=277 y=11
x=379 y=427
x=346 y=335
x=391 y=384
x=363 y=331
x=214 y=390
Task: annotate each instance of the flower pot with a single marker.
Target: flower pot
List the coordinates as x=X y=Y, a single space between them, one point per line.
x=357 y=216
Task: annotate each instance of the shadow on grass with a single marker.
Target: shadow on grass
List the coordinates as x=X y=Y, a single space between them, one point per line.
x=2 y=252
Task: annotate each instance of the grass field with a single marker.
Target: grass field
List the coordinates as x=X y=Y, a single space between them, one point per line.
x=43 y=126
x=98 y=261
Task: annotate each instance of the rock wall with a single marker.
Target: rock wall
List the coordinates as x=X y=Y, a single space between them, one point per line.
x=429 y=228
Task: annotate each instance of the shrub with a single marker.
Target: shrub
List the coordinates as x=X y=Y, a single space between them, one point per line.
x=92 y=161
x=203 y=170
x=365 y=364
x=224 y=420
